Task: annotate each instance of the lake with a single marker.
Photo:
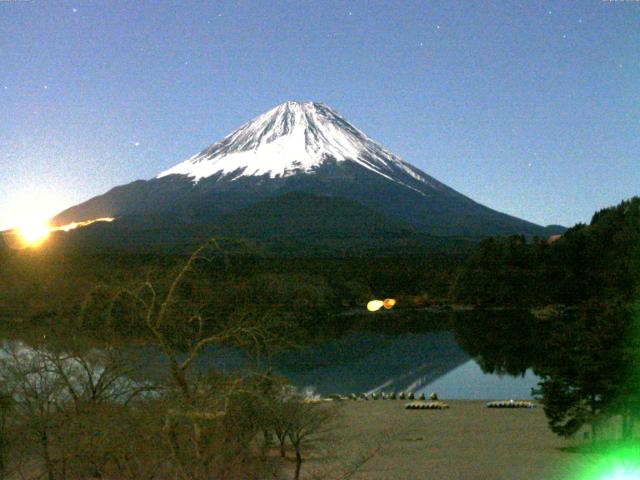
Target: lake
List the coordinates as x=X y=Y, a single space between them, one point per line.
x=366 y=362
x=418 y=362
x=416 y=359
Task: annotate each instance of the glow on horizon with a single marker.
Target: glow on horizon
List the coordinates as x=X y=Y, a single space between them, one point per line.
x=30 y=213
x=73 y=225
x=32 y=233
x=28 y=204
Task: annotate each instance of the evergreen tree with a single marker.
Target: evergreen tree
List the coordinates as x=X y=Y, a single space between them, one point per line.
x=588 y=371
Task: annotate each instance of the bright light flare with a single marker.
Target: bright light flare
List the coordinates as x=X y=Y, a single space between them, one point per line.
x=617 y=463
x=623 y=473
x=33 y=233
x=375 y=305
x=72 y=226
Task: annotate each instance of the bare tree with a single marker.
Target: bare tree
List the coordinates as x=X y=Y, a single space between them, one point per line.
x=202 y=425
x=142 y=456
x=58 y=398
x=38 y=394
x=307 y=422
x=297 y=419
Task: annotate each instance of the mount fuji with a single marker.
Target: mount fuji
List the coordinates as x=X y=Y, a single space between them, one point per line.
x=304 y=166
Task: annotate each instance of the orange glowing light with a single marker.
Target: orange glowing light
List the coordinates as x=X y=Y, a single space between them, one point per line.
x=72 y=226
x=389 y=303
x=33 y=232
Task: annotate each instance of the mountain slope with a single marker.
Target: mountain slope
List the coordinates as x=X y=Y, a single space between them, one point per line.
x=296 y=214
x=301 y=147
x=282 y=223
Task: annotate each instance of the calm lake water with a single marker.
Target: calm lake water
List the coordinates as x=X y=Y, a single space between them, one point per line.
x=376 y=361
x=417 y=362
x=468 y=381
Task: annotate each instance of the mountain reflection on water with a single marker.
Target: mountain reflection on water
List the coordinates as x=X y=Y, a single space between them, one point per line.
x=416 y=358
x=367 y=362
x=478 y=355
x=357 y=362
x=468 y=381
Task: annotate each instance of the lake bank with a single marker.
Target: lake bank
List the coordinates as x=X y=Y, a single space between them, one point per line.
x=466 y=442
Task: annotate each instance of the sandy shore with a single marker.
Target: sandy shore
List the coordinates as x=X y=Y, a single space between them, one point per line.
x=465 y=442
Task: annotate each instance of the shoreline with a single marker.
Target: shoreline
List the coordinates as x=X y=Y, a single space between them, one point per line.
x=464 y=442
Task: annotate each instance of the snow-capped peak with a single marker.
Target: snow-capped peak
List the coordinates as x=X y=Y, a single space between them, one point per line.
x=294 y=137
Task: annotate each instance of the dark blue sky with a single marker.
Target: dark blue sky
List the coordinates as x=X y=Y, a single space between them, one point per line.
x=532 y=108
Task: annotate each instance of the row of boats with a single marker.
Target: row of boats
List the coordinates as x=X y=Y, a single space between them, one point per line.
x=385 y=396
x=437 y=405
x=421 y=402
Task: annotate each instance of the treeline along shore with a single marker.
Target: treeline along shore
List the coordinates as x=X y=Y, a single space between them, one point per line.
x=587 y=263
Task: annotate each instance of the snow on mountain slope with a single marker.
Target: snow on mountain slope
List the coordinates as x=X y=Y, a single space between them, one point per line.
x=292 y=138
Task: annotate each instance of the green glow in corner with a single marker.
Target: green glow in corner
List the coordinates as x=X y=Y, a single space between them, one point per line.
x=622 y=463
x=622 y=474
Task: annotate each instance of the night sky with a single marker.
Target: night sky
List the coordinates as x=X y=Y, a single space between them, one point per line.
x=531 y=108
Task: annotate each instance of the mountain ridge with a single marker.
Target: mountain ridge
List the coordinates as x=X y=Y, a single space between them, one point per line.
x=302 y=147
